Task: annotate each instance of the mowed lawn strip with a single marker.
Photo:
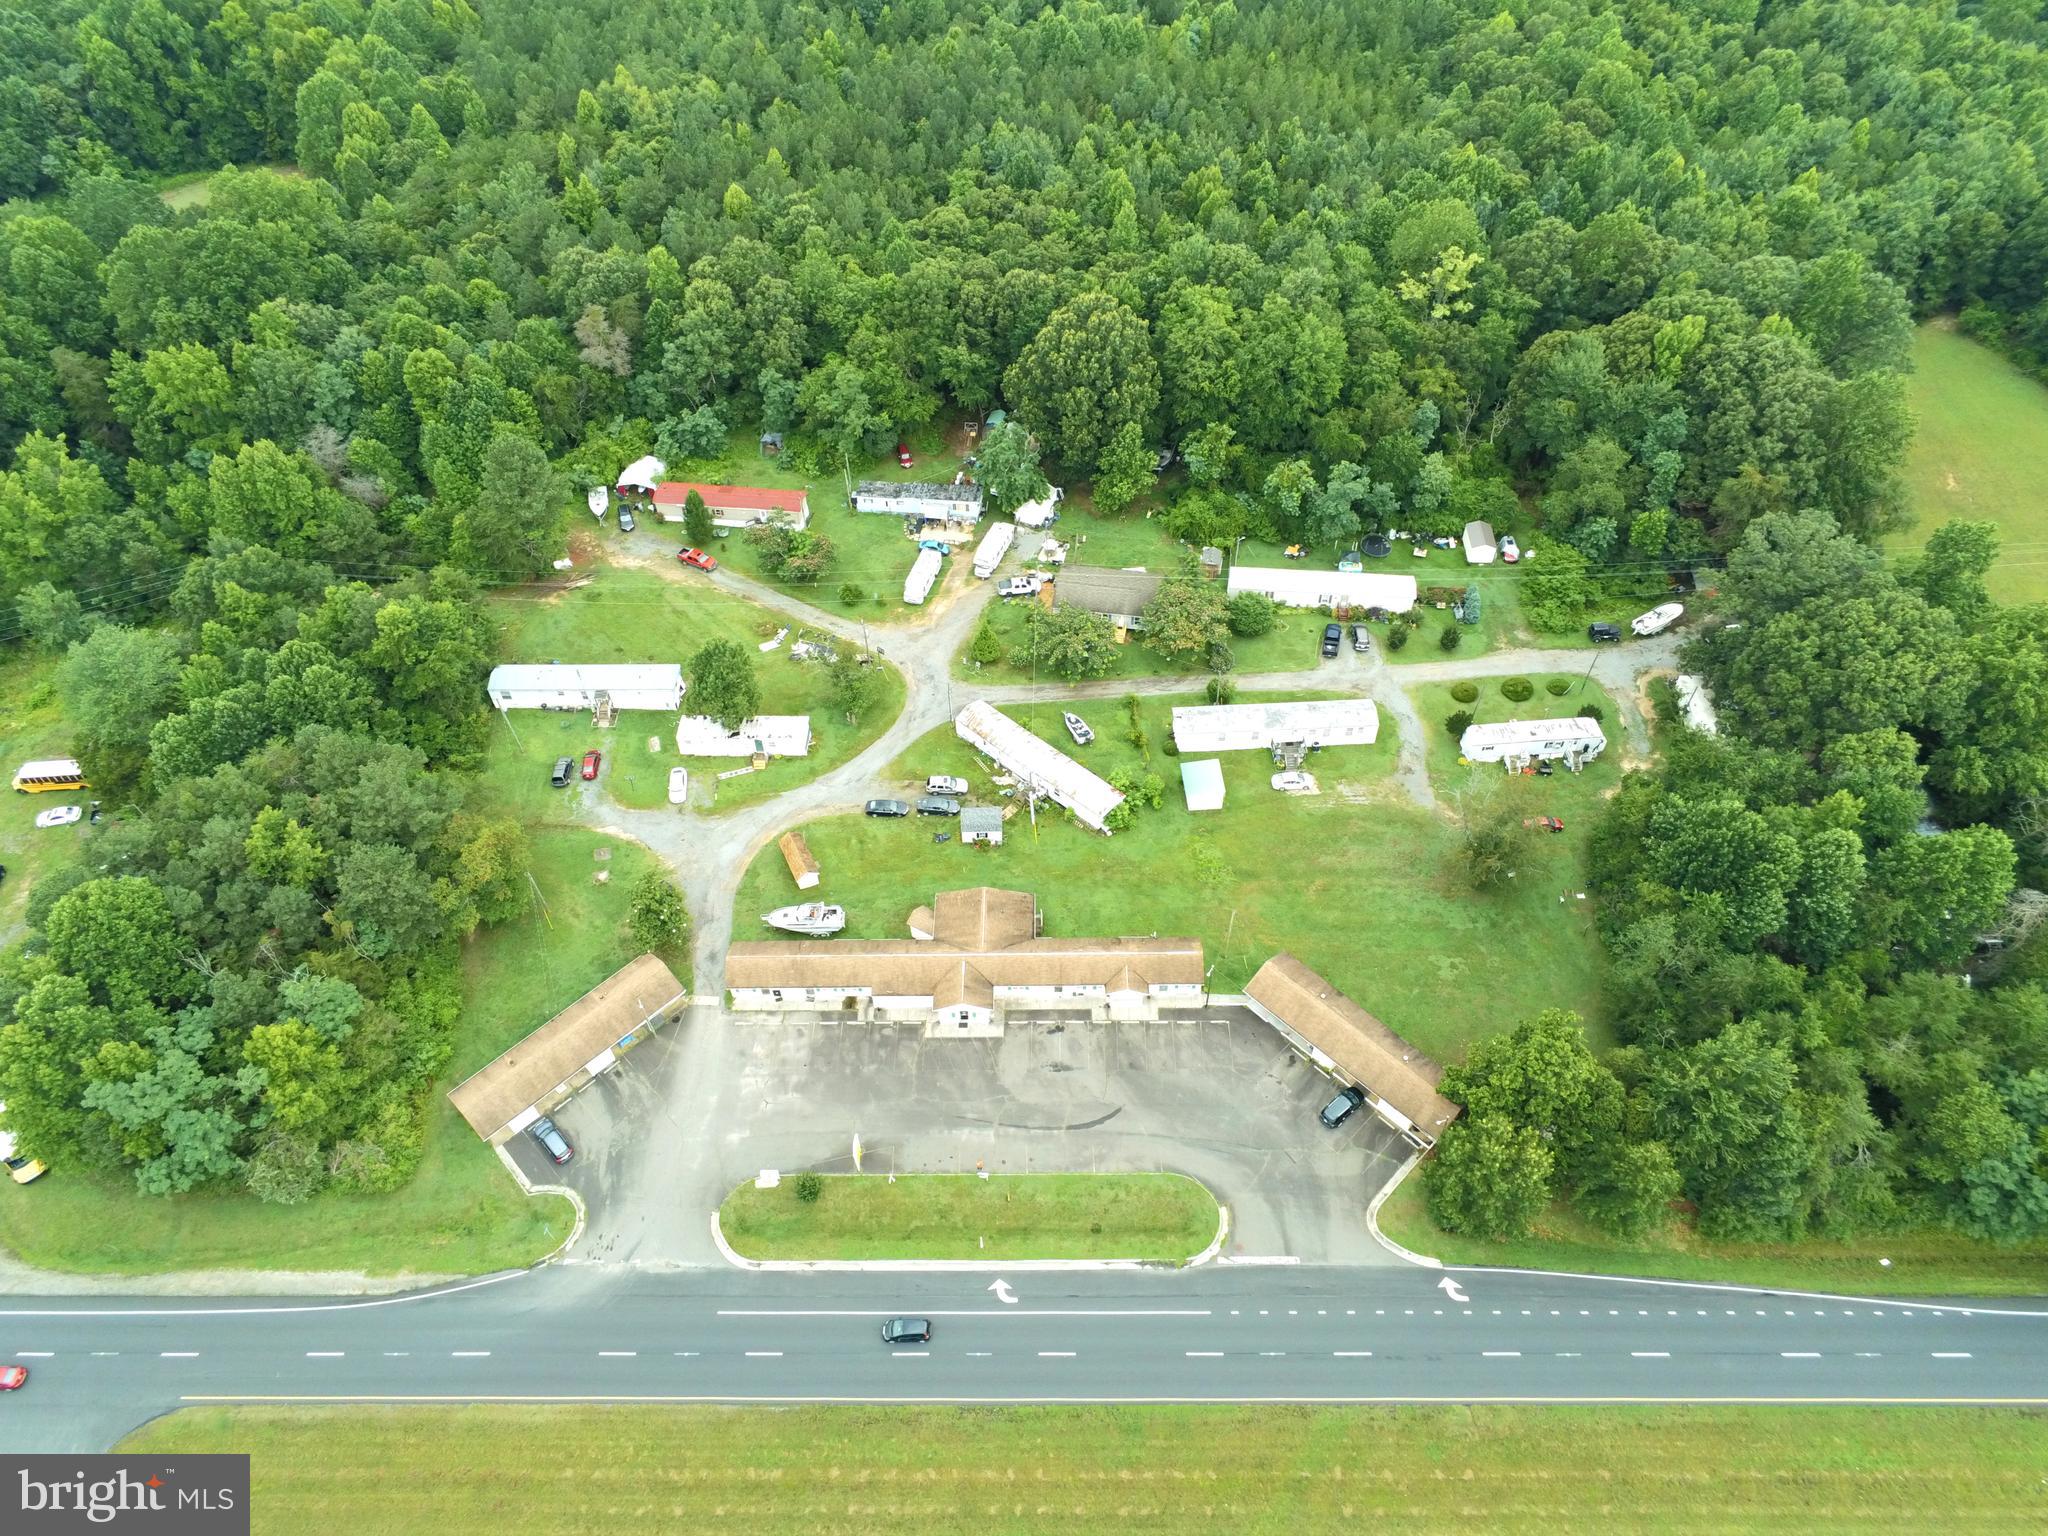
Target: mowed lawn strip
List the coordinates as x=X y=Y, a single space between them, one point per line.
x=1138 y=1471
x=1921 y=1263
x=1360 y=882
x=32 y=725
x=1976 y=454
x=1163 y=1217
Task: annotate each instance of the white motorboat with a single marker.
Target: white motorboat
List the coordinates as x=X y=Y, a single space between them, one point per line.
x=813 y=918
x=1077 y=728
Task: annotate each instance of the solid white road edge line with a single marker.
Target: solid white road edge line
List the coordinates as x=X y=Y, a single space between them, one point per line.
x=325 y=1306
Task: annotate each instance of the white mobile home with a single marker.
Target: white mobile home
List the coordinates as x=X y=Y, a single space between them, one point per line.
x=775 y=735
x=1326 y=589
x=1255 y=727
x=924 y=575
x=937 y=502
x=555 y=685
x=1037 y=765
x=1519 y=743
x=994 y=545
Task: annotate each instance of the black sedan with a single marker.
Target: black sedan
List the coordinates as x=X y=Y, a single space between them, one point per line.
x=887 y=808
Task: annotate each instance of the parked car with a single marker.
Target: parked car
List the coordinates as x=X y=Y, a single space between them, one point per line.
x=1546 y=823
x=565 y=770
x=937 y=805
x=697 y=559
x=626 y=523
x=907 y=1330
x=1361 y=638
x=1510 y=551
x=23 y=1170
x=1658 y=619
x=945 y=784
x=551 y=1140
x=678 y=785
x=887 y=808
x=590 y=762
x=59 y=816
x=1294 y=782
x=1026 y=585
x=12 y=1379
x=903 y=455
x=1342 y=1107
x=1606 y=634
x=1333 y=640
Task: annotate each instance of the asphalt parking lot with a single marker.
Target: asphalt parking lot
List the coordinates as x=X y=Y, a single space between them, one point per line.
x=714 y=1099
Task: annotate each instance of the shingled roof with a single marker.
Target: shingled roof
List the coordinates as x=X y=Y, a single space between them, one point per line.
x=1369 y=1053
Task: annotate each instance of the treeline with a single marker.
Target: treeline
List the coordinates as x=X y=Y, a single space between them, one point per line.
x=1827 y=944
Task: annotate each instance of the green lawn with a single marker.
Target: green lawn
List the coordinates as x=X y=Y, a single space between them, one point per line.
x=1359 y=881
x=1976 y=453
x=1929 y=1263
x=1162 y=1217
x=635 y=615
x=32 y=725
x=1291 y=643
x=1138 y=1471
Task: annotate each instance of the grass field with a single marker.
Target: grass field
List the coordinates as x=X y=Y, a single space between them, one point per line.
x=32 y=725
x=1977 y=448
x=1360 y=882
x=1142 y=1471
x=1162 y=1217
x=1291 y=643
x=634 y=615
x=1931 y=1263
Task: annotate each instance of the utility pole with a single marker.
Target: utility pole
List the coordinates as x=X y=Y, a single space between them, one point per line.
x=1589 y=675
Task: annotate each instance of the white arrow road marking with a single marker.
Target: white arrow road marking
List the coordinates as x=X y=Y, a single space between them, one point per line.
x=1450 y=1288
x=1002 y=1290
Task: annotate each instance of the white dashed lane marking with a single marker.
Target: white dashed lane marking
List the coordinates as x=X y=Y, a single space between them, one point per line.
x=617 y=1354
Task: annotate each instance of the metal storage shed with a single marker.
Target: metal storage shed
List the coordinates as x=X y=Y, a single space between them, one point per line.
x=981 y=824
x=1038 y=765
x=1202 y=783
x=796 y=853
x=1481 y=548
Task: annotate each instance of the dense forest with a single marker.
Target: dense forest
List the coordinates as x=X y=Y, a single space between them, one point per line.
x=1643 y=273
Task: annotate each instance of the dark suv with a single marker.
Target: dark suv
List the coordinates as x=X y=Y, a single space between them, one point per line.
x=552 y=1141
x=565 y=770
x=1341 y=1108
x=1333 y=640
x=1606 y=634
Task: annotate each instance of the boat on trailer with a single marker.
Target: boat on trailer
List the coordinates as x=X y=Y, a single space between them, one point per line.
x=814 y=919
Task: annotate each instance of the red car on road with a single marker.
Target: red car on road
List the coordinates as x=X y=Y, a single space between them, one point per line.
x=590 y=762
x=12 y=1377
x=697 y=558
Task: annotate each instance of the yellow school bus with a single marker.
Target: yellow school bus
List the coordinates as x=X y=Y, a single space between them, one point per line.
x=49 y=773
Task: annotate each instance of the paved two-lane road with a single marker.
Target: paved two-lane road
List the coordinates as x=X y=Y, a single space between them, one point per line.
x=1238 y=1334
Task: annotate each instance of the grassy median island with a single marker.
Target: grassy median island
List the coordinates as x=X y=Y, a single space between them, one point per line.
x=1163 y=1217
x=1138 y=1470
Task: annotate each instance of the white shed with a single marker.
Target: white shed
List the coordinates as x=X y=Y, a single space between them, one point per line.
x=1251 y=727
x=557 y=685
x=777 y=735
x=1326 y=589
x=1037 y=765
x=1202 y=783
x=1518 y=743
x=924 y=575
x=1481 y=548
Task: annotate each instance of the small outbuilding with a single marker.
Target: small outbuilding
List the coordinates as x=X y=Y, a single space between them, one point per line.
x=764 y=735
x=1202 y=783
x=803 y=865
x=981 y=824
x=577 y=1045
x=640 y=477
x=557 y=685
x=1212 y=560
x=771 y=443
x=1481 y=547
x=1518 y=744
